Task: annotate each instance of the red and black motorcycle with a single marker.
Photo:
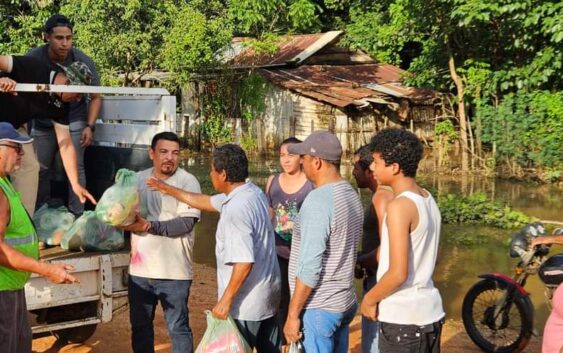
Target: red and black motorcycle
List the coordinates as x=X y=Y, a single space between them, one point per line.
x=497 y=311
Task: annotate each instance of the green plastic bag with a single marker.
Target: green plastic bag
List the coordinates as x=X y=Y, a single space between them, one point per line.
x=222 y=336
x=51 y=223
x=119 y=203
x=88 y=233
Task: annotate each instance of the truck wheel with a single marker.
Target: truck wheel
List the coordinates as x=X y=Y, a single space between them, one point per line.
x=73 y=312
x=75 y=334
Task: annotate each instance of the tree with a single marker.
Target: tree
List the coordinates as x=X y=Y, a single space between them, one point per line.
x=481 y=50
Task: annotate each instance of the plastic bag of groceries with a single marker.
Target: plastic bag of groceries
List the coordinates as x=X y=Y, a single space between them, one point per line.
x=222 y=336
x=295 y=347
x=88 y=233
x=51 y=223
x=119 y=203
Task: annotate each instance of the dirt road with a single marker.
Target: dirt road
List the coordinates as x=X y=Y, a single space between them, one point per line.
x=115 y=336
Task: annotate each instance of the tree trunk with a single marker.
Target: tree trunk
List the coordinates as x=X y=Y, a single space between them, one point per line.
x=461 y=109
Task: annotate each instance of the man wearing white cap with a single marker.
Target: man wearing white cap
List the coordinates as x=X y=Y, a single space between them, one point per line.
x=18 y=249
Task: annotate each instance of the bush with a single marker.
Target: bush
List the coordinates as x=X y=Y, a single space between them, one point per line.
x=478 y=209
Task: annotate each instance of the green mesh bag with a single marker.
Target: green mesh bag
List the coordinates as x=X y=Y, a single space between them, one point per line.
x=119 y=203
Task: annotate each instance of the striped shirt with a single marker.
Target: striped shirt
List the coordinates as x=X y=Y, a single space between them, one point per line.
x=323 y=250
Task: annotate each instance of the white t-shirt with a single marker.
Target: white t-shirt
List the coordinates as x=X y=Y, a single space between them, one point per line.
x=161 y=257
x=417 y=301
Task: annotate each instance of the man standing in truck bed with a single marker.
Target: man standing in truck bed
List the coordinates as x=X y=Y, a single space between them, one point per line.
x=58 y=50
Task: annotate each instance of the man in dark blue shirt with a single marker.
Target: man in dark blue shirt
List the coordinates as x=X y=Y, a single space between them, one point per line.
x=19 y=108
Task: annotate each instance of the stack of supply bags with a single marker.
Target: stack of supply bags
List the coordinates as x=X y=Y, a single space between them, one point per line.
x=118 y=205
x=222 y=336
x=88 y=233
x=95 y=230
x=51 y=223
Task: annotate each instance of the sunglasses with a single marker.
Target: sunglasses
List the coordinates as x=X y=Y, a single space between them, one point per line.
x=18 y=147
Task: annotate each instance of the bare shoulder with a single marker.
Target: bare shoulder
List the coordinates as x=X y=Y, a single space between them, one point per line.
x=382 y=197
x=401 y=207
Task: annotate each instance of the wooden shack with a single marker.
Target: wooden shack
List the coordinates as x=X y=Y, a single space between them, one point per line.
x=314 y=83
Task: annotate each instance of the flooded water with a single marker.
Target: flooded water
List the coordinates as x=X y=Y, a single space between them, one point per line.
x=458 y=265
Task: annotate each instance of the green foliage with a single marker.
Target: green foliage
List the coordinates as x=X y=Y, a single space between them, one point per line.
x=477 y=208
x=507 y=52
x=213 y=129
x=256 y=18
x=527 y=128
x=446 y=128
x=197 y=33
x=121 y=36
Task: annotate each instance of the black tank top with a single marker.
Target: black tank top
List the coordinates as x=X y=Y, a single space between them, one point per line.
x=286 y=209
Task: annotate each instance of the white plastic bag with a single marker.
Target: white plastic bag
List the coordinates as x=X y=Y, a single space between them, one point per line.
x=222 y=336
x=119 y=203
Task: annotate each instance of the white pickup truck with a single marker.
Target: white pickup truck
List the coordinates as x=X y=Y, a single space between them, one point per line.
x=123 y=132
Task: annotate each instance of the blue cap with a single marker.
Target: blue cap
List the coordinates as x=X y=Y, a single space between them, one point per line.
x=8 y=133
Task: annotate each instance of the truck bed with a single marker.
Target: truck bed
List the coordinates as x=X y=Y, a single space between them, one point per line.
x=59 y=254
x=101 y=274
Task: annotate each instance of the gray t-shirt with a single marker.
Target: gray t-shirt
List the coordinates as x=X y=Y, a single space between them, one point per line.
x=245 y=234
x=78 y=110
x=156 y=256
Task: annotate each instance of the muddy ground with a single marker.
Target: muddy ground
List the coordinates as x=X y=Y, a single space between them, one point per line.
x=115 y=336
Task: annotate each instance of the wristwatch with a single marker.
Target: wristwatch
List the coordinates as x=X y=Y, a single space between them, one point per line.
x=92 y=127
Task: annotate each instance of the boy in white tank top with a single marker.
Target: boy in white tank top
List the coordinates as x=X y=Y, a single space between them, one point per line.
x=404 y=299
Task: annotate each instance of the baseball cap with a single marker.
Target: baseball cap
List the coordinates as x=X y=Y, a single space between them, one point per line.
x=78 y=73
x=57 y=21
x=8 y=133
x=322 y=144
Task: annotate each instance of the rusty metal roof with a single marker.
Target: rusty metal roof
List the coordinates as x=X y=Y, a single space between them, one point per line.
x=348 y=85
x=291 y=50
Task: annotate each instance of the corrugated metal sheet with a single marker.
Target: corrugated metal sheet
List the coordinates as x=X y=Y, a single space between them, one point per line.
x=347 y=85
x=291 y=50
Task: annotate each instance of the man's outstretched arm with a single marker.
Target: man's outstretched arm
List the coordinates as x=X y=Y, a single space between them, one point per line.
x=193 y=199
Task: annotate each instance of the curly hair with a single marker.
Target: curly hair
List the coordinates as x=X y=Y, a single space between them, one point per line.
x=365 y=156
x=232 y=159
x=398 y=146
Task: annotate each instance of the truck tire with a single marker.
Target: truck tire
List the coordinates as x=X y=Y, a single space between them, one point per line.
x=75 y=334
x=73 y=312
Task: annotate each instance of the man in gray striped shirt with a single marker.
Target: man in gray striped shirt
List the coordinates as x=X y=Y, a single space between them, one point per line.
x=323 y=253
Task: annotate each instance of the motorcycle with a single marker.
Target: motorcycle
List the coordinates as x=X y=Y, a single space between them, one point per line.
x=497 y=312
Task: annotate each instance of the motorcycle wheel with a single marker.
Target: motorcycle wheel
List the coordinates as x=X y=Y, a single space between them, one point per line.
x=510 y=331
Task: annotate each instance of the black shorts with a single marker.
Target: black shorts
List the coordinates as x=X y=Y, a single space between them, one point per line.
x=394 y=338
x=15 y=333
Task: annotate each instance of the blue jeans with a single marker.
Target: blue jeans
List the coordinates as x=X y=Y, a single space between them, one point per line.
x=144 y=294
x=46 y=146
x=370 y=329
x=327 y=331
